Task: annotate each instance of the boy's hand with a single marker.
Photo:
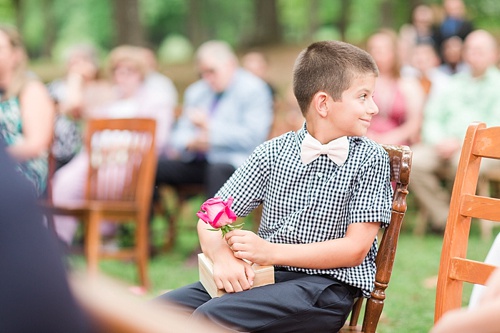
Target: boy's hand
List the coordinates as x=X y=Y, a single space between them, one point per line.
x=247 y=245
x=232 y=274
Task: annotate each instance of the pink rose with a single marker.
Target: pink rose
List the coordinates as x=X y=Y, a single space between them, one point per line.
x=217 y=213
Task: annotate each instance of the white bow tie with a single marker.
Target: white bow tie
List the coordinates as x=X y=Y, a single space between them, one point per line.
x=337 y=150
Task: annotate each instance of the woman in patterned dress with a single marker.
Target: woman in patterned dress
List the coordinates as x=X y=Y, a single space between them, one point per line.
x=26 y=111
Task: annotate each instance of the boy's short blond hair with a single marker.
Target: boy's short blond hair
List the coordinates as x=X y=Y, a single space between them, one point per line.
x=329 y=66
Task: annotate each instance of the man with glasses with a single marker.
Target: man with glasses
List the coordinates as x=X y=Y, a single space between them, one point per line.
x=226 y=114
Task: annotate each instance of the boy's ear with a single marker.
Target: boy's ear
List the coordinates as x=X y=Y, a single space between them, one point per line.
x=320 y=103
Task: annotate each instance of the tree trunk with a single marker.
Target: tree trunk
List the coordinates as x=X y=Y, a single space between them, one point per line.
x=386 y=17
x=18 y=7
x=313 y=18
x=344 y=18
x=50 y=28
x=267 y=29
x=197 y=33
x=129 y=29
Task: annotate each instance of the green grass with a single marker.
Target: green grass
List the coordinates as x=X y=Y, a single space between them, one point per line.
x=410 y=298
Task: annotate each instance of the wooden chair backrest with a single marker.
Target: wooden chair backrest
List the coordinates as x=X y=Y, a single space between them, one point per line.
x=480 y=143
x=122 y=159
x=400 y=162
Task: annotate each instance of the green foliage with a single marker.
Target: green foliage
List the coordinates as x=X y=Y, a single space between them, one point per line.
x=83 y=21
x=293 y=15
x=237 y=20
x=363 y=20
x=93 y=21
x=33 y=29
x=327 y=33
x=7 y=14
x=162 y=18
x=485 y=14
x=175 y=49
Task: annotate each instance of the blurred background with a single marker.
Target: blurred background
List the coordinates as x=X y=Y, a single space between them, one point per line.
x=277 y=28
x=174 y=28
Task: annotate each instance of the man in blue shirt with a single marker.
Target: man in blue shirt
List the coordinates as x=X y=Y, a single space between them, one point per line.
x=226 y=114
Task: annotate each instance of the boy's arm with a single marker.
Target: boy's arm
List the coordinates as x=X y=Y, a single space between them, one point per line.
x=342 y=252
x=230 y=274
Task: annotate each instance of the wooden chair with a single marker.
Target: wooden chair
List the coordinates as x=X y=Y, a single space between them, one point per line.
x=120 y=180
x=488 y=185
x=480 y=143
x=400 y=161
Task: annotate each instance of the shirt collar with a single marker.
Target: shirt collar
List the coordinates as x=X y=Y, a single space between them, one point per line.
x=301 y=133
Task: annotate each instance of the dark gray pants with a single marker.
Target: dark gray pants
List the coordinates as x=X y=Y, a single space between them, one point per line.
x=211 y=175
x=297 y=302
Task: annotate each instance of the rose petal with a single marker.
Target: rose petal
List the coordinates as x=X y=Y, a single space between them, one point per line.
x=203 y=216
x=217 y=212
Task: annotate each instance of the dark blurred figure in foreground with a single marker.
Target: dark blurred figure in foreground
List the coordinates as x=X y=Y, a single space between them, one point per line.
x=33 y=284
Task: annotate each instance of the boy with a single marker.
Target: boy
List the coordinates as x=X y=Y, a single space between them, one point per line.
x=321 y=214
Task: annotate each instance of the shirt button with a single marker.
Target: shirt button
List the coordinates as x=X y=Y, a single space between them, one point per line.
x=319 y=175
x=290 y=228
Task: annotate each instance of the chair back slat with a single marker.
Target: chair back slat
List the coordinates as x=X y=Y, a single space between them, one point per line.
x=485 y=143
x=470 y=270
x=117 y=149
x=480 y=146
x=480 y=207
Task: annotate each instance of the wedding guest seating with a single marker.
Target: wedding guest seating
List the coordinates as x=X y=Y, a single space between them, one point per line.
x=455 y=268
x=121 y=171
x=400 y=161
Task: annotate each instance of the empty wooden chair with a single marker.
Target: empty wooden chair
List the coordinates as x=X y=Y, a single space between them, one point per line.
x=480 y=143
x=400 y=161
x=120 y=180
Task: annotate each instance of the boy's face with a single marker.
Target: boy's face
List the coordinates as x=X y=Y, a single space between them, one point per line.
x=351 y=116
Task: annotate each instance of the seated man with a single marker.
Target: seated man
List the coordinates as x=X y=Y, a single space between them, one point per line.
x=226 y=114
x=469 y=96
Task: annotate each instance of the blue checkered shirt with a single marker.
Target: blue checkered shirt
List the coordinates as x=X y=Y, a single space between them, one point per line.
x=315 y=202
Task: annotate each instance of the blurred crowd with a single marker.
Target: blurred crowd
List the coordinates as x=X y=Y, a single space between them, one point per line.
x=437 y=74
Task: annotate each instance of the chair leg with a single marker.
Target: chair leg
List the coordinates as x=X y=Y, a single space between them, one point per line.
x=486 y=227
x=171 y=217
x=421 y=221
x=353 y=322
x=142 y=245
x=486 y=230
x=92 y=242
